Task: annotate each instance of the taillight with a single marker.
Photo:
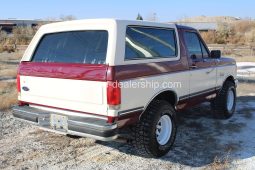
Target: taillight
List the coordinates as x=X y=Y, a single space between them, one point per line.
x=111 y=119
x=18 y=83
x=20 y=103
x=113 y=93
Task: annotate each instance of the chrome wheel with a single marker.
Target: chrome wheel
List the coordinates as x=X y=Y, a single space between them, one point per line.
x=164 y=129
x=230 y=99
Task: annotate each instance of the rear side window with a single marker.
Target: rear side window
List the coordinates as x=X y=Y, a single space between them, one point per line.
x=87 y=47
x=150 y=43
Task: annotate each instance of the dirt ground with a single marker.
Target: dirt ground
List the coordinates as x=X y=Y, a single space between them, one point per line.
x=202 y=142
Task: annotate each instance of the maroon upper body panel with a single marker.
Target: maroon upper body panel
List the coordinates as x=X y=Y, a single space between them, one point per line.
x=125 y=72
x=98 y=72
x=95 y=72
x=225 y=61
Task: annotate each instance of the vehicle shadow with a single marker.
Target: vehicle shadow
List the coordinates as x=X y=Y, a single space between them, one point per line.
x=203 y=139
x=247 y=80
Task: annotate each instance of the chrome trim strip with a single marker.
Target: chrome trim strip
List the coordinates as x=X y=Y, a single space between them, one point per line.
x=202 y=92
x=124 y=112
x=198 y=93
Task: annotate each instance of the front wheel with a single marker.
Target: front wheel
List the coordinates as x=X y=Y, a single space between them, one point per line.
x=154 y=135
x=224 y=103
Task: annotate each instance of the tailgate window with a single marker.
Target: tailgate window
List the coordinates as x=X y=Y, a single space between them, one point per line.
x=87 y=47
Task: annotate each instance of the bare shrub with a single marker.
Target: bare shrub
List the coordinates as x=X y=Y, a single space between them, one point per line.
x=209 y=37
x=3 y=36
x=224 y=32
x=244 y=26
x=23 y=35
x=8 y=95
x=237 y=32
x=20 y=36
x=67 y=17
x=250 y=37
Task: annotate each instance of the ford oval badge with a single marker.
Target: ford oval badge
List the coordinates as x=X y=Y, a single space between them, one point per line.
x=25 y=88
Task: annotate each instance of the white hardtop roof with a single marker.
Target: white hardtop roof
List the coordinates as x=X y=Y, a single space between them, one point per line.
x=116 y=32
x=110 y=21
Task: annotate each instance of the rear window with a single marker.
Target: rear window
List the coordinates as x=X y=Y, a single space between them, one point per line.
x=88 y=47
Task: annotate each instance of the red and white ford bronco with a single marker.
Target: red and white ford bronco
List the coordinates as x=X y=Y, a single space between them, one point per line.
x=96 y=78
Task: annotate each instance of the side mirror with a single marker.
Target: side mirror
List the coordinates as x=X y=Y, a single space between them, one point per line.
x=215 y=54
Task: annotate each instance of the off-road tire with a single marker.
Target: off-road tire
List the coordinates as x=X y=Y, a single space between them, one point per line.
x=144 y=133
x=219 y=104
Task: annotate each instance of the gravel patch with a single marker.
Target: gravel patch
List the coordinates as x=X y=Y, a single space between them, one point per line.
x=202 y=142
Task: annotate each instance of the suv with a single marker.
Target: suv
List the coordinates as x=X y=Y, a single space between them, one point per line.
x=98 y=78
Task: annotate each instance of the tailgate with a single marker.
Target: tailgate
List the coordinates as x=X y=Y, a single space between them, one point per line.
x=67 y=70
x=76 y=87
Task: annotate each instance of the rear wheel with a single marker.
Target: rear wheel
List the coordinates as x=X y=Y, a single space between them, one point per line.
x=224 y=103
x=154 y=135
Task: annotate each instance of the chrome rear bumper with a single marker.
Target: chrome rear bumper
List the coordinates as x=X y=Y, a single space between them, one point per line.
x=80 y=126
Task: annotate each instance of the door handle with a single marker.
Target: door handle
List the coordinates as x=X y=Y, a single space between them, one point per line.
x=210 y=71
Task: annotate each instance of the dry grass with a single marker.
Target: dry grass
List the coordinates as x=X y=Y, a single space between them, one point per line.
x=236 y=32
x=9 y=63
x=220 y=163
x=244 y=89
x=8 y=68
x=12 y=72
x=20 y=36
x=244 y=59
x=8 y=95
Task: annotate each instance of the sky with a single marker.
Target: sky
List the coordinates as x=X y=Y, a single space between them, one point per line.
x=166 y=10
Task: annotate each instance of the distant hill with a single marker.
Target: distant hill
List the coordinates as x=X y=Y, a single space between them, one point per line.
x=223 y=29
x=210 y=19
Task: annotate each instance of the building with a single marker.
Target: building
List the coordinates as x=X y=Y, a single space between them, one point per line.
x=8 y=24
x=201 y=26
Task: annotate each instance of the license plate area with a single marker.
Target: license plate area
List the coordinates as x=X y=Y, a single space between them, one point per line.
x=58 y=122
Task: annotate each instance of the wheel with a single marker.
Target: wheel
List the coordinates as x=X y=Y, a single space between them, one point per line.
x=154 y=135
x=224 y=103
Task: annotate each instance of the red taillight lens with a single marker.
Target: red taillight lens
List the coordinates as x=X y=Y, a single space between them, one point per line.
x=18 y=82
x=20 y=103
x=111 y=119
x=113 y=93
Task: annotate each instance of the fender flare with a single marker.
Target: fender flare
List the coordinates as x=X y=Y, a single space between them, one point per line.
x=157 y=94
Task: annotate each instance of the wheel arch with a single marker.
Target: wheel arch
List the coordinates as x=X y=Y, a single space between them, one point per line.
x=168 y=95
x=229 y=78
